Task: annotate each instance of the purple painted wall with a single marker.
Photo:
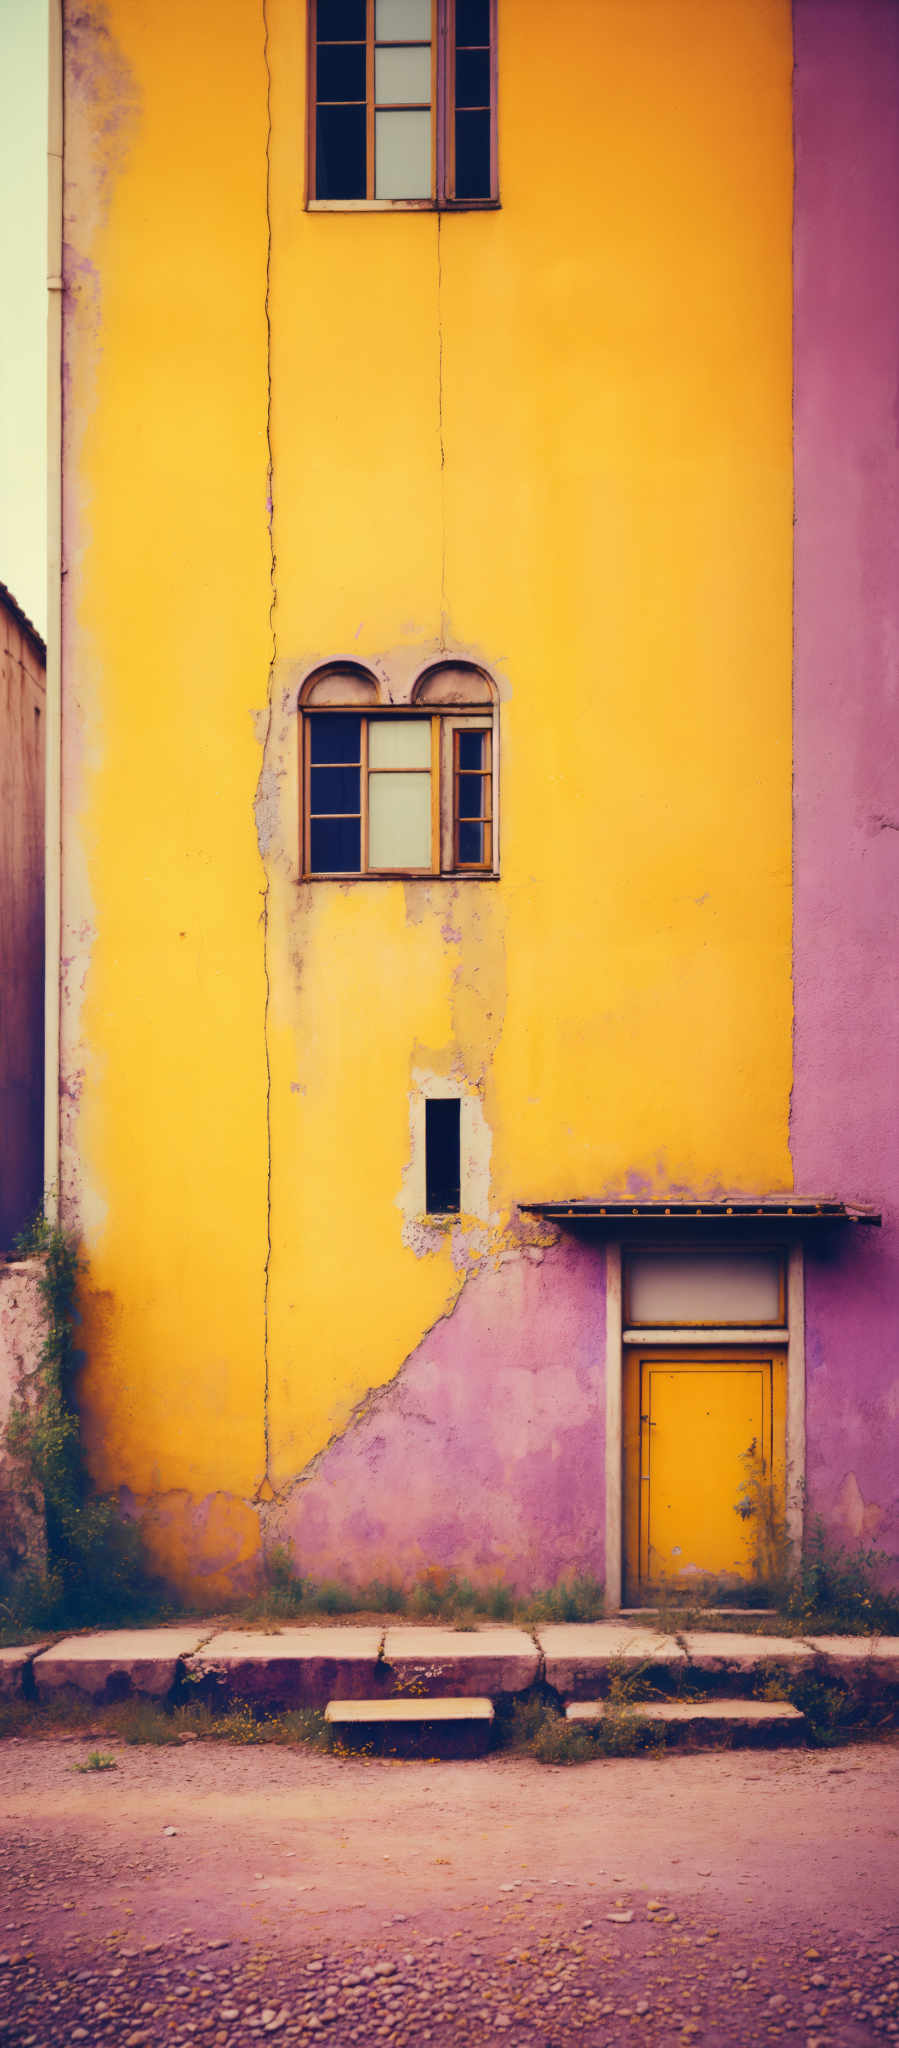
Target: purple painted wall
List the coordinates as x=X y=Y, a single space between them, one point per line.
x=485 y=1456
x=845 y=1116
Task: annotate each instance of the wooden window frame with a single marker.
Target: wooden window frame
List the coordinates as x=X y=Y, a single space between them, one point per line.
x=485 y=817
x=443 y=168
x=445 y=726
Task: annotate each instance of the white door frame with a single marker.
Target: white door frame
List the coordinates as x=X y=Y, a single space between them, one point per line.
x=618 y=1341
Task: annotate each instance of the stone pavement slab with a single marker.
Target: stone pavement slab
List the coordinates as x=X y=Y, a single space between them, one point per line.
x=297 y=1667
x=871 y=1657
x=13 y=1667
x=579 y=1656
x=489 y=1661
x=117 y=1663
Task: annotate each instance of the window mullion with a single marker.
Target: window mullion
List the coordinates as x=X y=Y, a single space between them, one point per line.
x=435 y=796
x=450 y=98
x=306 y=785
x=369 y=99
x=363 y=797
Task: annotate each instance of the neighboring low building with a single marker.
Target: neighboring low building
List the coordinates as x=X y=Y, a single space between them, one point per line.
x=23 y=659
x=478 y=1091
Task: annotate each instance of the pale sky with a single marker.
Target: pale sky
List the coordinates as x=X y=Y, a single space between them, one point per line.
x=23 y=304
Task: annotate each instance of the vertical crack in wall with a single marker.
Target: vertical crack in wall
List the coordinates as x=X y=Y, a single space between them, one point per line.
x=440 y=432
x=273 y=656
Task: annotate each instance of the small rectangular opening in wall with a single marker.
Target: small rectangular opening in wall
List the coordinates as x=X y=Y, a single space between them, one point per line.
x=443 y=1155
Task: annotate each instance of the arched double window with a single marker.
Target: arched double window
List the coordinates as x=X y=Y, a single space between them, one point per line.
x=399 y=789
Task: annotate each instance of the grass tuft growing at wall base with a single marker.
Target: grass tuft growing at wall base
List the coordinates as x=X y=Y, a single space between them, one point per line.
x=437 y=1595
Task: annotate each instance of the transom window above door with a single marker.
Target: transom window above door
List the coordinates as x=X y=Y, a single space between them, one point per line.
x=691 y=1288
x=402 y=103
x=401 y=789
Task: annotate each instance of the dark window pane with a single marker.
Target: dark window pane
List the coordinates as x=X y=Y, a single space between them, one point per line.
x=334 y=739
x=340 y=21
x=471 y=750
x=473 y=156
x=340 y=153
x=443 y=1163
x=334 y=846
x=340 y=71
x=472 y=21
x=471 y=844
x=471 y=795
x=334 y=789
x=473 y=78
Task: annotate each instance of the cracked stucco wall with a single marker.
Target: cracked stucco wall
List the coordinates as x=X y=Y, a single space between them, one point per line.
x=555 y=440
x=845 y=1112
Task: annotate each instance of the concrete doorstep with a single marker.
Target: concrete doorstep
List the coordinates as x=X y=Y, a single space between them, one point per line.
x=704 y=1723
x=413 y=1727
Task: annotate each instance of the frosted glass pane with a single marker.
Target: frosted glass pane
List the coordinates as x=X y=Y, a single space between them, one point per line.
x=399 y=743
x=403 y=78
x=402 y=21
x=668 y=1288
x=399 y=821
x=403 y=156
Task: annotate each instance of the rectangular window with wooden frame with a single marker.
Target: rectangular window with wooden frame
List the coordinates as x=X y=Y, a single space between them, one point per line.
x=402 y=104
x=407 y=794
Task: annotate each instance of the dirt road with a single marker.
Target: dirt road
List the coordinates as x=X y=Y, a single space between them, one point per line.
x=220 y=1895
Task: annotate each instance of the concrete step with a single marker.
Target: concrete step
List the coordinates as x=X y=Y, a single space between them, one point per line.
x=115 y=1664
x=434 y=1662
x=580 y=1659
x=295 y=1667
x=705 y=1724
x=427 y=1728
x=306 y=1667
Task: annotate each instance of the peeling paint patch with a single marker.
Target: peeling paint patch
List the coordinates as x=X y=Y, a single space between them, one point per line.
x=860 y=1519
x=485 y=1455
x=468 y=1231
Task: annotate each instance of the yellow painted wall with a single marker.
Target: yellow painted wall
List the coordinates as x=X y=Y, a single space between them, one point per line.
x=609 y=533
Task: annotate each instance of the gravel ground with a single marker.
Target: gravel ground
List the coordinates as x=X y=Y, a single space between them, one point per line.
x=219 y=1896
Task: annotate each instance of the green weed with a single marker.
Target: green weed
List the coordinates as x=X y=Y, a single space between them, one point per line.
x=436 y=1596
x=835 y=1590
x=580 y=1598
x=94 y=1568
x=537 y=1727
x=96 y=1761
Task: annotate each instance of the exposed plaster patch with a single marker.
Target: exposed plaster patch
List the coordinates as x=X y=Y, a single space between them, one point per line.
x=101 y=94
x=484 y=1453
x=859 y=1518
x=102 y=108
x=276 y=800
x=468 y=1233
x=478 y=1000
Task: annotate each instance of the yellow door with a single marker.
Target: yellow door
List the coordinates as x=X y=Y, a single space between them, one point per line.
x=704 y=1472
